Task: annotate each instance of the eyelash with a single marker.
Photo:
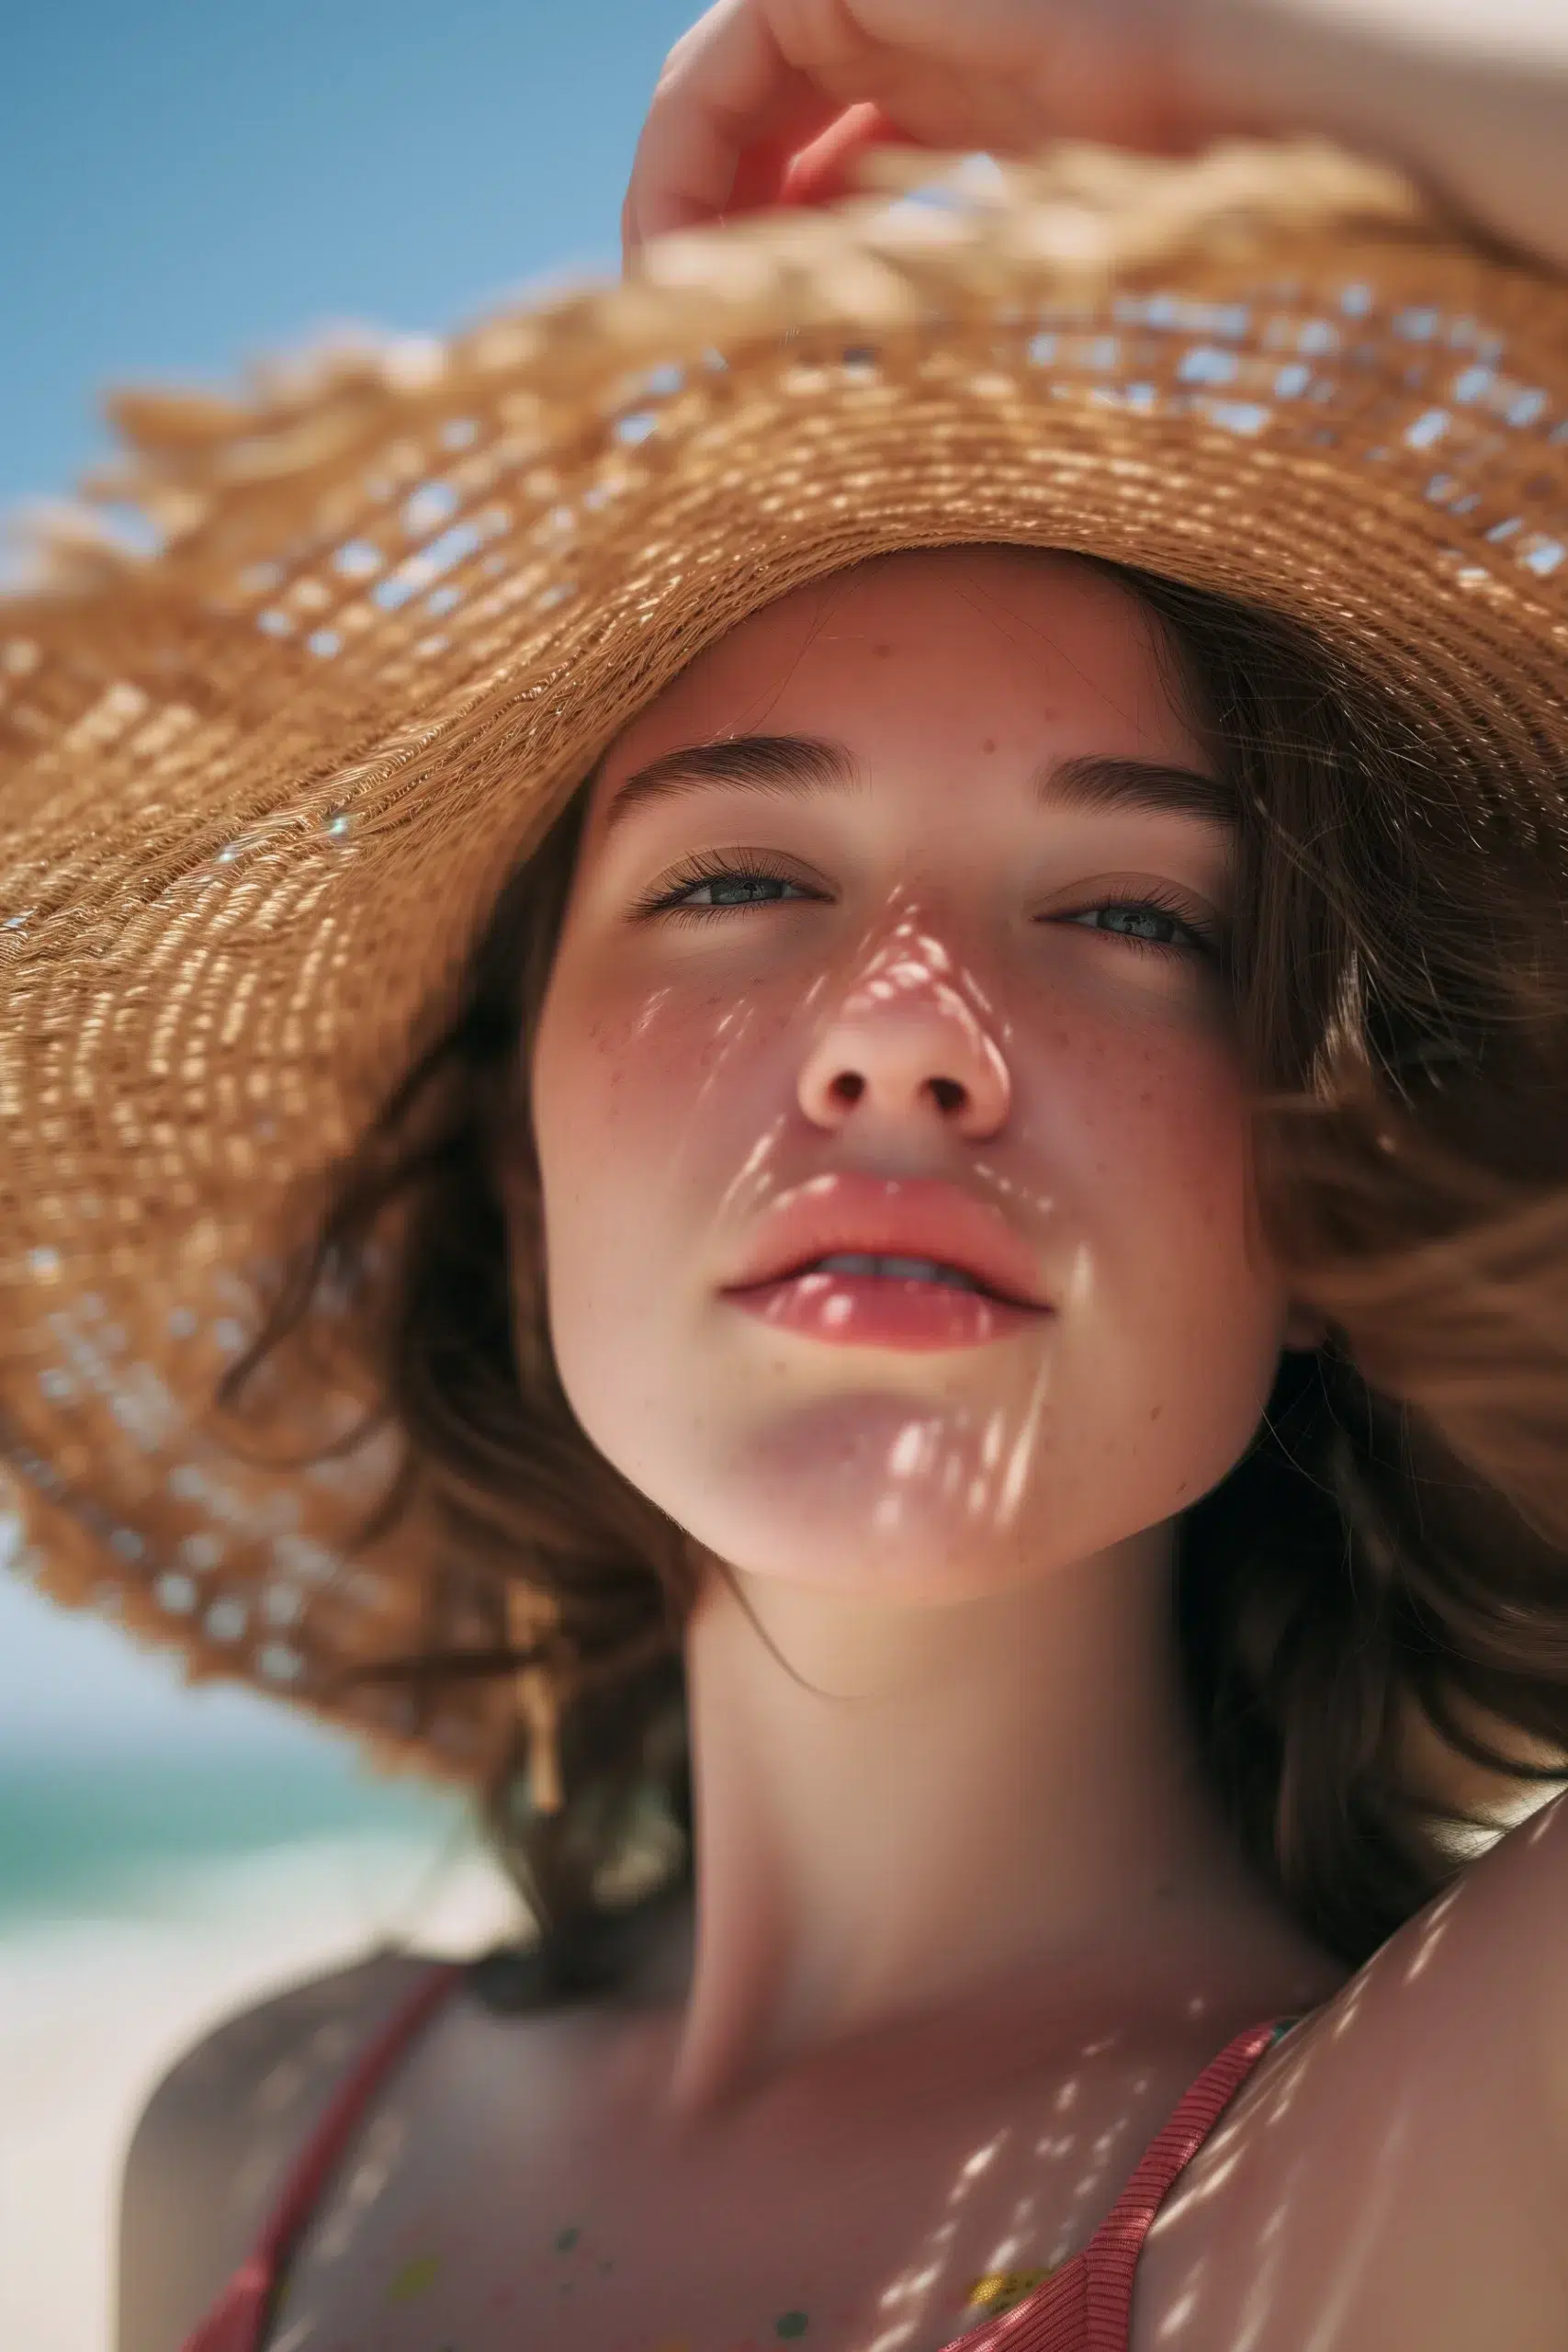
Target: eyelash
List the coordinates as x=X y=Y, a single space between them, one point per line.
x=1203 y=936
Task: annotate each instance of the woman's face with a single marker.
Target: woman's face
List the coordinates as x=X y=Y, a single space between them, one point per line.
x=964 y=965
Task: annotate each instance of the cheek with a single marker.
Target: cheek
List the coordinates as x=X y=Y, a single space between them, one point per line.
x=1161 y=1144
x=1181 y=1313
x=636 y=1069
x=631 y=1099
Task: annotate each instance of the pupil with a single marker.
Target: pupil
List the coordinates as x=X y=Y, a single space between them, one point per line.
x=1138 y=923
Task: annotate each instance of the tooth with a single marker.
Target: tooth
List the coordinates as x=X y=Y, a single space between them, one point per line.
x=856 y=1261
x=926 y=1270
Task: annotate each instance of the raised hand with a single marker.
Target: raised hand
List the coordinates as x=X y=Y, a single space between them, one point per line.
x=767 y=101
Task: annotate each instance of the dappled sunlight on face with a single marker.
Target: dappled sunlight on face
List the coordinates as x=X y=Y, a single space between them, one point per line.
x=932 y=952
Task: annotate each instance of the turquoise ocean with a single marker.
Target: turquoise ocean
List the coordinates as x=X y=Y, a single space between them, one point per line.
x=98 y=1838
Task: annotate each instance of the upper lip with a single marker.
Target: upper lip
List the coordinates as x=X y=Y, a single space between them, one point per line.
x=893 y=1217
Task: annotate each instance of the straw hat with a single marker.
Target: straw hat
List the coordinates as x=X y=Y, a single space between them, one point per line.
x=260 y=785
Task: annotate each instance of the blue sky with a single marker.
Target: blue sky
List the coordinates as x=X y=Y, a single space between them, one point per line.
x=184 y=183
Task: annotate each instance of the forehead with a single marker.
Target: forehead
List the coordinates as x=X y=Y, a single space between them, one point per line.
x=996 y=642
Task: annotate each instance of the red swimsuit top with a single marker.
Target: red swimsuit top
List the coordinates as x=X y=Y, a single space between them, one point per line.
x=1084 y=2306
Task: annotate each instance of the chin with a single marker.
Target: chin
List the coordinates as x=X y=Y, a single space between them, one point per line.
x=868 y=1542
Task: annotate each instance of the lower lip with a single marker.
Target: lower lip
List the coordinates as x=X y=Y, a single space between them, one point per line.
x=883 y=1311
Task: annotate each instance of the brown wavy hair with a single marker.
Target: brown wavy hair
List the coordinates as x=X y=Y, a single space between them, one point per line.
x=1372 y=1607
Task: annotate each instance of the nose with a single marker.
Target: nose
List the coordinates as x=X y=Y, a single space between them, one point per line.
x=904 y=1047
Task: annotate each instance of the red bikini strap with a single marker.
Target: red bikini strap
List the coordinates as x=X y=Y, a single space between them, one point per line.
x=236 y=2321
x=1111 y=2255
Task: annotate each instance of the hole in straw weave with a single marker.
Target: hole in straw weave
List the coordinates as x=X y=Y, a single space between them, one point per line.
x=1205 y=364
x=226 y=1619
x=357 y=559
x=431 y=503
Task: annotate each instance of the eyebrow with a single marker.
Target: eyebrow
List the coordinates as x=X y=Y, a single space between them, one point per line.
x=787 y=766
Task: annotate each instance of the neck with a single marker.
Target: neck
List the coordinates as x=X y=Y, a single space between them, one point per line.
x=903 y=1809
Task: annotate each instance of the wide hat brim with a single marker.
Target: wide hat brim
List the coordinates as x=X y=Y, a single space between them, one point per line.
x=262 y=785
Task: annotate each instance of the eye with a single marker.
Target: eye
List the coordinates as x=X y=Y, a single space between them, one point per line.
x=728 y=876
x=735 y=879
x=1153 y=924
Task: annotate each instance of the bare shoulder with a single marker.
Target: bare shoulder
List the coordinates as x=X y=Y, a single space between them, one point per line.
x=1530 y=1865
x=1490 y=1950
x=1403 y=2157
x=1509 y=1957
x=214 y=2143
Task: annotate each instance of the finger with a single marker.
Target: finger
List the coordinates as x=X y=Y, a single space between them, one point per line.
x=779 y=172
x=823 y=170
x=760 y=175
x=726 y=86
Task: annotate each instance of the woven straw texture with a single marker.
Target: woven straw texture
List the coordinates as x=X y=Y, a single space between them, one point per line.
x=262 y=783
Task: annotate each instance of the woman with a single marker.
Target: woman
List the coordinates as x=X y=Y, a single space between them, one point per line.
x=882 y=767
